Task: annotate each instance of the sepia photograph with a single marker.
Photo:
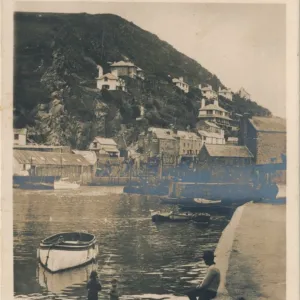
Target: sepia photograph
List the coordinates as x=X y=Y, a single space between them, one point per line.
x=149 y=156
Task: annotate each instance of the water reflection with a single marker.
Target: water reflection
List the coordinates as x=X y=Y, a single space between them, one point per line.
x=147 y=259
x=57 y=282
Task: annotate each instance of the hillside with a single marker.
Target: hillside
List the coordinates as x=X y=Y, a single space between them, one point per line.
x=55 y=93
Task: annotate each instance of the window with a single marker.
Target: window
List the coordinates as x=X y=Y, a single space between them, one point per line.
x=95 y=144
x=24 y=167
x=16 y=136
x=105 y=87
x=105 y=79
x=183 y=144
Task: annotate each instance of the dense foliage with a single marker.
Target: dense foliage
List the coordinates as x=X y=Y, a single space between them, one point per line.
x=55 y=95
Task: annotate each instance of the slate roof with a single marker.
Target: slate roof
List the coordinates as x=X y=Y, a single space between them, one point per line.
x=228 y=151
x=49 y=158
x=210 y=134
x=109 y=76
x=90 y=156
x=211 y=124
x=186 y=134
x=269 y=124
x=162 y=133
x=213 y=107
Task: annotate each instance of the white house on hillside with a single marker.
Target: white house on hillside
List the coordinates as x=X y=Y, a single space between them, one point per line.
x=244 y=94
x=226 y=93
x=124 y=68
x=140 y=73
x=20 y=136
x=110 y=81
x=214 y=114
x=181 y=84
x=208 y=92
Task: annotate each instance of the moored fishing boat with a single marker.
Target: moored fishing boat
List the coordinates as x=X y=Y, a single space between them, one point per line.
x=64 y=184
x=67 y=250
x=180 y=217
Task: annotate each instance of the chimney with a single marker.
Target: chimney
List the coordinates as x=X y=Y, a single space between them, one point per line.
x=202 y=102
x=115 y=72
x=100 y=70
x=142 y=111
x=243 y=129
x=216 y=102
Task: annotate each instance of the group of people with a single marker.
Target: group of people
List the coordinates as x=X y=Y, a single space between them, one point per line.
x=94 y=287
x=207 y=290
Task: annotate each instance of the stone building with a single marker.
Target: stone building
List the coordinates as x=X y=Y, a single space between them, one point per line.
x=265 y=137
x=225 y=155
x=210 y=133
x=36 y=163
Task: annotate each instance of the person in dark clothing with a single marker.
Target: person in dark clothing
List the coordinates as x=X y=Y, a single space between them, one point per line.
x=93 y=286
x=210 y=284
x=114 y=294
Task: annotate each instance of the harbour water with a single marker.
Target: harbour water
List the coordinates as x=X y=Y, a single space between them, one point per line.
x=150 y=261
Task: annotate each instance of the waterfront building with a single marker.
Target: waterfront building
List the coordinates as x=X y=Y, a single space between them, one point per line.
x=20 y=136
x=43 y=148
x=225 y=155
x=181 y=84
x=104 y=147
x=157 y=141
x=265 y=137
x=214 y=114
x=36 y=163
x=189 y=143
x=89 y=156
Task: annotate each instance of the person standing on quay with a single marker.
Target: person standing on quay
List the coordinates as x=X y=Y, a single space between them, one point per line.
x=93 y=286
x=210 y=284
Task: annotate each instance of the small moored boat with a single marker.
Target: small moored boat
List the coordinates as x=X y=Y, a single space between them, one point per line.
x=180 y=217
x=67 y=250
x=64 y=184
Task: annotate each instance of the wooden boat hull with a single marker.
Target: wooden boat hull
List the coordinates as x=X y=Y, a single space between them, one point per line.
x=56 y=257
x=201 y=218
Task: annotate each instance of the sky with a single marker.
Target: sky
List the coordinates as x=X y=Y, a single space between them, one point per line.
x=242 y=44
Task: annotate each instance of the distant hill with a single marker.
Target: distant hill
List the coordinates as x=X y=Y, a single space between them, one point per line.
x=55 y=93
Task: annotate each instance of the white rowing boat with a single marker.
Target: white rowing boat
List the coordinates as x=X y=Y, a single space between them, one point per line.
x=67 y=250
x=64 y=184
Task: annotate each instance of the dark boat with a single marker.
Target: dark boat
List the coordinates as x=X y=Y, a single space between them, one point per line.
x=180 y=217
x=34 y=182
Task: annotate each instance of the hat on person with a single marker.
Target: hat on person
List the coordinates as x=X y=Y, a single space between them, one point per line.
x=208 y=254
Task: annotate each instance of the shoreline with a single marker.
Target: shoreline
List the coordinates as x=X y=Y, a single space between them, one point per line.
x=251 y=253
